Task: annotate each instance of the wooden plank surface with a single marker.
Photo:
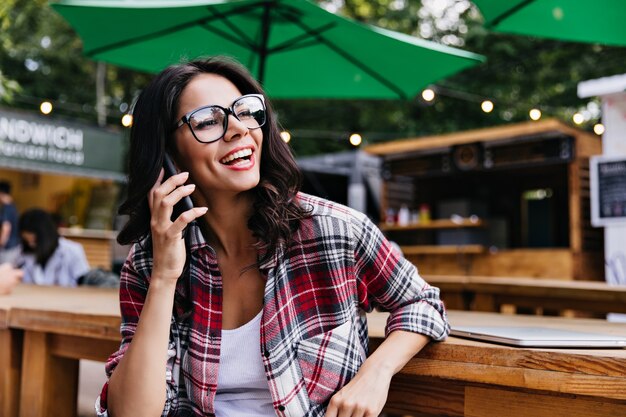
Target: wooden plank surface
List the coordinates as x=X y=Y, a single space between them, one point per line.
x=442 y=249
x=60 y=326
x=49 y=383
x=78 y=347
x=434 y=224
x=98 y=326
x=515 y=285
x=403 y=147
x=489 y=293
x=447 y=370
x=82 y=311
x=10 y=371
x=534 y=263
x=409 y=394
x=101 y=301
x=99 y=252
x=98 y=244
x=488 y=402
x=593 y=373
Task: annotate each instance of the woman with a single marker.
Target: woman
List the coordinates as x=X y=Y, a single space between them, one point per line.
x=251 y=303
x=47 y=258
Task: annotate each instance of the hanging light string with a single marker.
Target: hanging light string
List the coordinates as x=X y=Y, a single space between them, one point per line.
x=47 y=106
x=488 y=104
x=428 y=95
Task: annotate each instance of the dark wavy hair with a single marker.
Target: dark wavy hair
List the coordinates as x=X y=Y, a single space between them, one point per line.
x=276 y=215
x=42 y=224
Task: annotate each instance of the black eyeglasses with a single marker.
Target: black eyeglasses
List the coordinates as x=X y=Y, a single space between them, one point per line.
x=209 y=123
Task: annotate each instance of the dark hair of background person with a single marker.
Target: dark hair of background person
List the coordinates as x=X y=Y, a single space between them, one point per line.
x=5 y=187
x=42 y=224
x=276 y=213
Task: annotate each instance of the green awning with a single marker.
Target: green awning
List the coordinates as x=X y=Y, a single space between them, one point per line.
x=598 y=21
x=31 y=142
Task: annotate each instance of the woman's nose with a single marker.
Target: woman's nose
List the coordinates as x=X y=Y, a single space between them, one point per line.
x=236 y=129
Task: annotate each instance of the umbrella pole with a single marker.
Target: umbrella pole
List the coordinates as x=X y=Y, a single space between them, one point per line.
x=509 y=12
x=265 y=32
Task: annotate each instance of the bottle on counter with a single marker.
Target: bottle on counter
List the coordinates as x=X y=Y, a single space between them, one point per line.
x=404 y=216
x=424 y=213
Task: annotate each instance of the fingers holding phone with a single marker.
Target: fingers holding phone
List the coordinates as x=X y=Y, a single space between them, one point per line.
x=167 y=244
x=165 y=193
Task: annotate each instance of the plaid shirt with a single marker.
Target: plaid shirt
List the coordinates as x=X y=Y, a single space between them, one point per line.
x=313 y=331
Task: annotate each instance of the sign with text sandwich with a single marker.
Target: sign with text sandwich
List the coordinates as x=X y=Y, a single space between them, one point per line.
x=32 y=142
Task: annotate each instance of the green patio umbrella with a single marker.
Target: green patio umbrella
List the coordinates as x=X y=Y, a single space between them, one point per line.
x=598 y=21
x=297 y=49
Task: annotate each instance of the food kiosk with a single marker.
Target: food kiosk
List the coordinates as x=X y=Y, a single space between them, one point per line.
x=510 y=200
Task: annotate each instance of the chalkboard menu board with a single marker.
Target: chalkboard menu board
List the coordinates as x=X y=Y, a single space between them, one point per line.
x=608 y=190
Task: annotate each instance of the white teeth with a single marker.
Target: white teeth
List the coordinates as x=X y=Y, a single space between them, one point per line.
x=239 y=154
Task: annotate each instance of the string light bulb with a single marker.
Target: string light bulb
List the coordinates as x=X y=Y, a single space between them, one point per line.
x=535 y=114
x=127 y=120
x=45 y=107
x=599 y=129
x=578 y=118
x=487 y=106
x=355 y=139
x=285 y=136
x=428 y=94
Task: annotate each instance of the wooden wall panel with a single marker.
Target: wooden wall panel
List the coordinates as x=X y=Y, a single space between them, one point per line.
x=575 y=216
x=531 y=263
x=489 y=402
x=589 y=266
x=438 y=264
x=433 y=397
x=10 y=374
x=98 y=251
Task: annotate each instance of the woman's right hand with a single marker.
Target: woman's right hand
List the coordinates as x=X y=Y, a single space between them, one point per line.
x=168 y=246
x=9 y=278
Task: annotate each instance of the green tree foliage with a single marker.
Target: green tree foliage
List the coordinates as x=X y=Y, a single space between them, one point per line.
x=40 y=56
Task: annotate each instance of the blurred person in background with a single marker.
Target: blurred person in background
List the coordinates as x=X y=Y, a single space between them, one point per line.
x=9 y=278
x=47 y=258
x=9 y=234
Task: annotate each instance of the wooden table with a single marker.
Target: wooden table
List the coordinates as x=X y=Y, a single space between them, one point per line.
x=44 y=331
x=49 y=329
x=473 y=379
x=491 y=293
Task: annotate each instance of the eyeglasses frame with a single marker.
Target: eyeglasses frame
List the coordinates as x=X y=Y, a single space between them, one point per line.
x=228 y=111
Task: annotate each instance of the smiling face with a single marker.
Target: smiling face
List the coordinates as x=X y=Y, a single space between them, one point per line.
x=229 y=165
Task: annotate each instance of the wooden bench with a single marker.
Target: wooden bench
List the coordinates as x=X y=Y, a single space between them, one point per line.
x=44 y=332
x=510 y=294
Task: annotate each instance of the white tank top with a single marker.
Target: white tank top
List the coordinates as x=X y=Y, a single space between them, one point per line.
x=242 y=388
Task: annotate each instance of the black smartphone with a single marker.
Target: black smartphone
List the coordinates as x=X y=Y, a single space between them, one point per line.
x=185 y=203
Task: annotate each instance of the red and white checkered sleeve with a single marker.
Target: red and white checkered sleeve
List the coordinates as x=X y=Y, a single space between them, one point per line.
x=387 y=281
